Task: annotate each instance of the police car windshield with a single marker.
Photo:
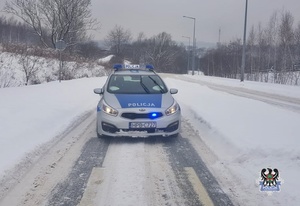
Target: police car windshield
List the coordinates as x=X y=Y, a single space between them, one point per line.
x=136 y=84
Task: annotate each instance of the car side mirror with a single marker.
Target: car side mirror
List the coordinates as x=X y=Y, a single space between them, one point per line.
x=98 y=91
x=173 y=91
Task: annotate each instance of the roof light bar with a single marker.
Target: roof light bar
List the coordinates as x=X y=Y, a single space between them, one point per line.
x=133 y=66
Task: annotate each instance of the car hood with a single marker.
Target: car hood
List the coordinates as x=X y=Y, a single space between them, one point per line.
x=118 y=101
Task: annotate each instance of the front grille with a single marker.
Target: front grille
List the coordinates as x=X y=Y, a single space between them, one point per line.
x=148 y=130
x=128 y=115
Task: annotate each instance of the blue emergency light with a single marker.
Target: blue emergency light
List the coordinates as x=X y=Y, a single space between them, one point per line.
x=154 y=115
x=118 y=66
x=149 y=66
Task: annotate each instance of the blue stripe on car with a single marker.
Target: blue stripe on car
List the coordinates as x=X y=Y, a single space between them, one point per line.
x=139 y=100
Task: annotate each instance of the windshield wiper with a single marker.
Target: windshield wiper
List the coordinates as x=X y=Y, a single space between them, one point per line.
x=160 y=88
x=144 y=86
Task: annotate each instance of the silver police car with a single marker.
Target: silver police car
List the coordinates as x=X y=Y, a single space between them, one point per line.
x=135 y=102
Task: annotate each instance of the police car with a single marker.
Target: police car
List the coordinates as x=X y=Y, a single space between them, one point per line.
x=135 y=102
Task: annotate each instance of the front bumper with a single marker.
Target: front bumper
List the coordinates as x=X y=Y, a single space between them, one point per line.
x=119 y=126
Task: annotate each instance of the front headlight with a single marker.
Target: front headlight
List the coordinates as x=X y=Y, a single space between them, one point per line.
x=173 y=109
x=109 y=110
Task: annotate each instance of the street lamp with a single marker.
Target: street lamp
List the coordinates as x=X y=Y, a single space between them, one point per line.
x=244 y=45
x=194 y=43
x=188 y=66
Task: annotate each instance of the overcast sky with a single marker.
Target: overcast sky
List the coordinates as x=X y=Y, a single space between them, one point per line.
x=155 y=16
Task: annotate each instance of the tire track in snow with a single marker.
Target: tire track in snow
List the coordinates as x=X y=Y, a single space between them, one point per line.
x=71 y=190
x=182 y=155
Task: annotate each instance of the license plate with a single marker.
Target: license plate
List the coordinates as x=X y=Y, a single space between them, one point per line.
x=135 y=125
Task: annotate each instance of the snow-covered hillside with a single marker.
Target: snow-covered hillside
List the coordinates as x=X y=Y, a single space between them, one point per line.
x=14 y=67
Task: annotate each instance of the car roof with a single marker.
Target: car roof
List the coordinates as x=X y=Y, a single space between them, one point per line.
x=134 y=72
x=134 y=69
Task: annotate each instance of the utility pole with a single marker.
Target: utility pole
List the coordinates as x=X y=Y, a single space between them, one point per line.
x=194 y=44
x=244 y=45
x=188 y=64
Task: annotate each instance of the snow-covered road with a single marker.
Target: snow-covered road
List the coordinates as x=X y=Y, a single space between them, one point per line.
x=245 y=134
x=83 y=169
x=234 y=133
x=277 y=99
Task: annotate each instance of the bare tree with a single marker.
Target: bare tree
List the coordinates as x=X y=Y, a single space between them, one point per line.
x=297 y=44
x=286 y=37
x=53 y=20
x=161 y=51
x=251 y=48
x=29 y=64
x=14 y=32
x=139 y=49
x=117 y=39
x=272 y=36
x=7 y=74
x=141 y=36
